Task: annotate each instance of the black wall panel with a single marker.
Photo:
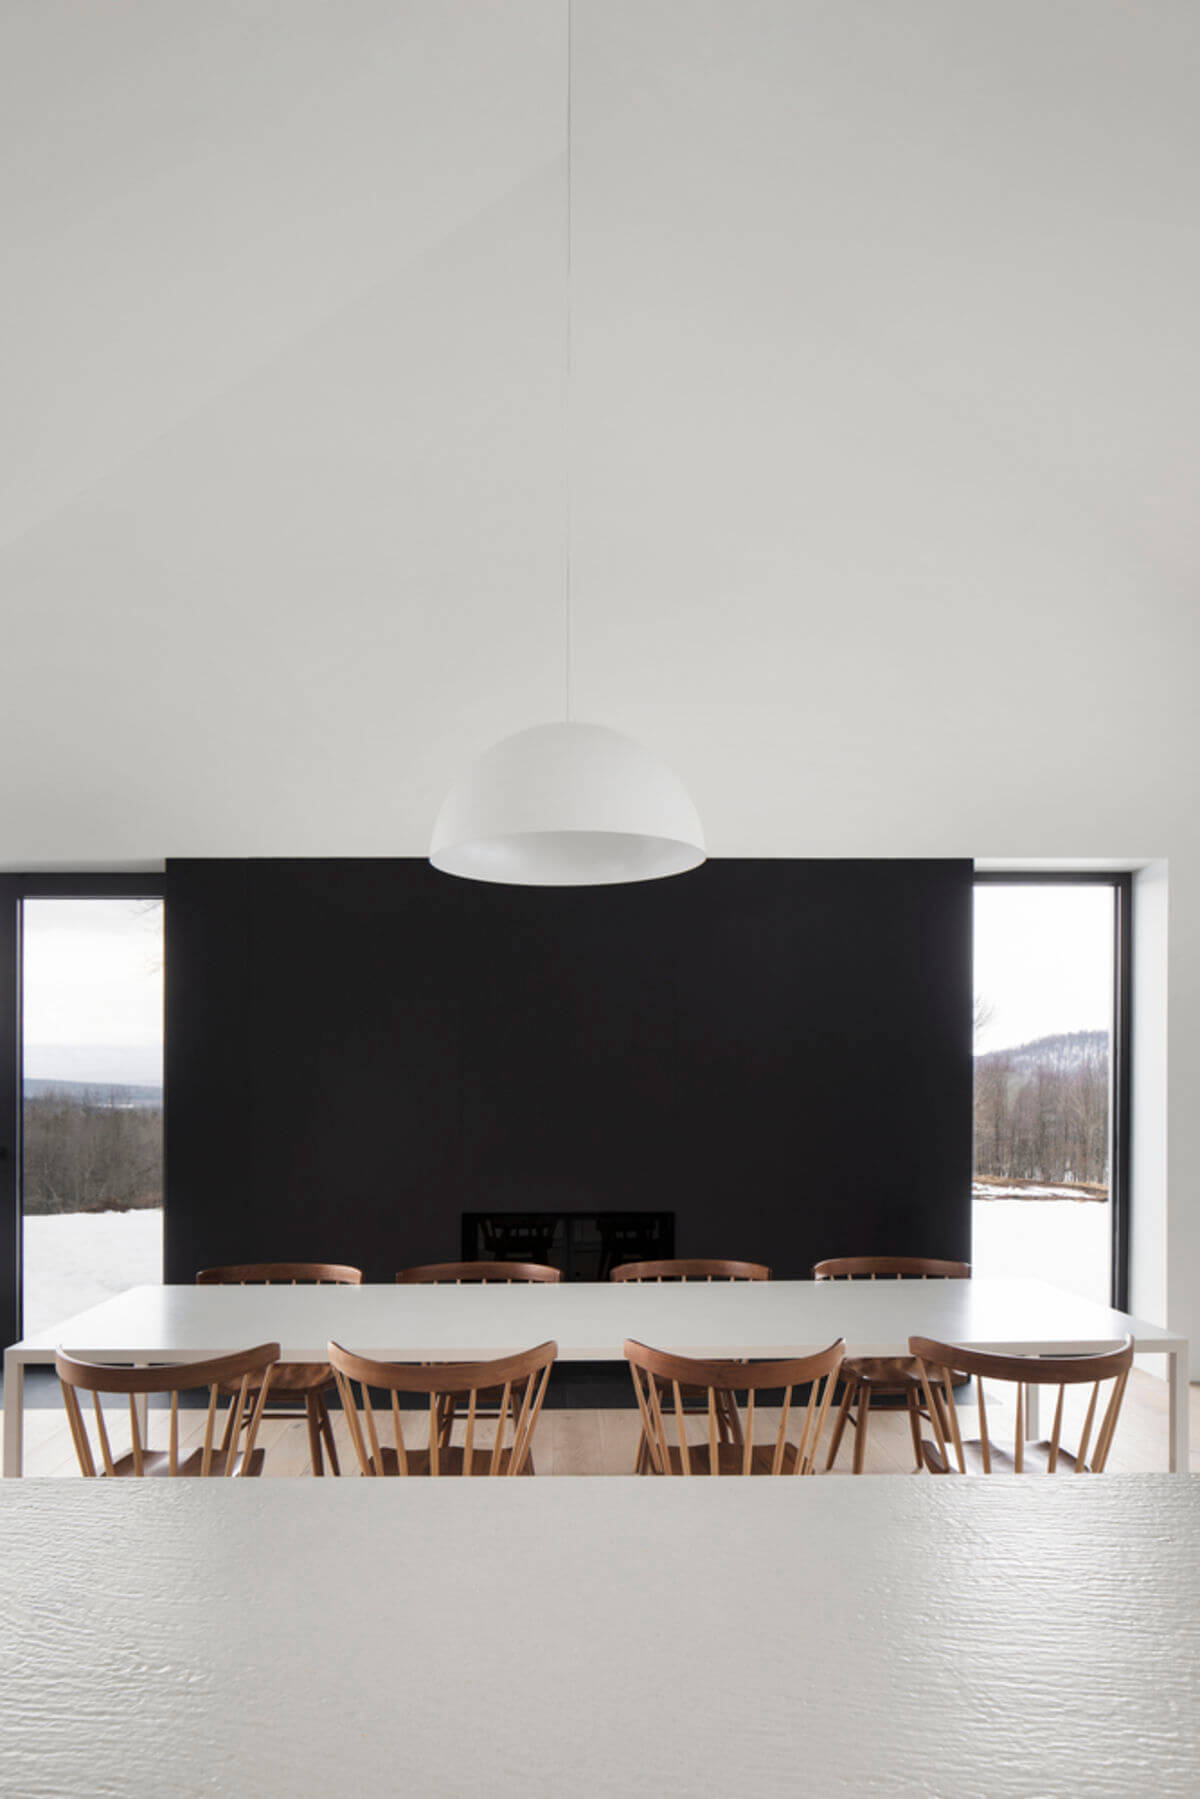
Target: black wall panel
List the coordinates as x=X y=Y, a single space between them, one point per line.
x=357 y=1052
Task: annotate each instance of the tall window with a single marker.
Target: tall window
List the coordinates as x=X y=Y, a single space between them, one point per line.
x=91 y=1082
x=1048 y=1003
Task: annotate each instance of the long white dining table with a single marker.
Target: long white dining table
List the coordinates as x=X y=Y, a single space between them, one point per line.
x=590 y=1321
x=618 y=1639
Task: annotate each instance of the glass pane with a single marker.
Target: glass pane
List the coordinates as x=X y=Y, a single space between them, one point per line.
x=1043 y=1056
x=92 y=1048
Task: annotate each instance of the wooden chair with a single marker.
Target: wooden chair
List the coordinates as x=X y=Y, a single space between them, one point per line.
x=476 y=1273
x=308 y=1382
x=656 y=1374
x=521 y=1380
x=244 y=1376
x=865 y=1377
x=940 y=1364
x=479 y=1274
x=693 y=1269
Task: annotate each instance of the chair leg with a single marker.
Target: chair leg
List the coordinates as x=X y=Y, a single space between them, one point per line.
x=835 y=1442
x=312 y=1417
x=914 y=1425
x=860 y=1425
x=327 y=1433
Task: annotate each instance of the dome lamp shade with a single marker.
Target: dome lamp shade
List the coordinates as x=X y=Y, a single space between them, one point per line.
x=567 y=805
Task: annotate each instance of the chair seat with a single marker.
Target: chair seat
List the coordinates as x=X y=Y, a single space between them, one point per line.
x=1037 y=1459
x=157 y=1464
x=730 y=1457
x=883 y=1371
x=887 y=1373
x=488 y=1401
x=450 y=1461
x=695 y=1399
x=297 y=1379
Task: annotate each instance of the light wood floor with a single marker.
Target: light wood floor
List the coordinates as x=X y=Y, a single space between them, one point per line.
x=604 y=1442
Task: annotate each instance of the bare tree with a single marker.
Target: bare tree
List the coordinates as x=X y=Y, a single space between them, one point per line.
x=1041 y=1111
x=90 y=1153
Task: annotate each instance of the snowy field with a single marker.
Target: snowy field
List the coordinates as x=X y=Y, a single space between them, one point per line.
x=73 y=1262
x=1067 y=1242
x=77 y=1259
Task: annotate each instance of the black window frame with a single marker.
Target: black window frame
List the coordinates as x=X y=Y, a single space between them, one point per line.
x=1121 y=1076
x=14 y=890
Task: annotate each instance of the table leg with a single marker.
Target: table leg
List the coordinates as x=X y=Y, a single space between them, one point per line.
x=141 y=1405
x=1033 y=1412
x=14 y=1414
x=1179 y=1447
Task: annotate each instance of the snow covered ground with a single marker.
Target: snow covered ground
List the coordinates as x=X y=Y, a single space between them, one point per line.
x=79 y=1258
x=1028 y=1190
x=75 y=1261
x=1065 y=1241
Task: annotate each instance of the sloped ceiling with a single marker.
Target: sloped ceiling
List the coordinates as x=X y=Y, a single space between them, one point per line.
x=878 y=449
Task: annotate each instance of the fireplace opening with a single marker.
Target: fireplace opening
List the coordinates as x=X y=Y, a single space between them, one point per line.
x=586 y=1246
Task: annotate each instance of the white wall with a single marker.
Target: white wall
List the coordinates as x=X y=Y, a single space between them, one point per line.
x=881 y=427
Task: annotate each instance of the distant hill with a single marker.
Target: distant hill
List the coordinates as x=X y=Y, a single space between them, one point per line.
x=1064 y=1052
x=94 y=1093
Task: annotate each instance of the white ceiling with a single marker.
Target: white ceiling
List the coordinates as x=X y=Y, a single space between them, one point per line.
x=881 y=426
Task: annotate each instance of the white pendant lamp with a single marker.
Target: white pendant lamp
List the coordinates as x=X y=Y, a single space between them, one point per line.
x=567 y=805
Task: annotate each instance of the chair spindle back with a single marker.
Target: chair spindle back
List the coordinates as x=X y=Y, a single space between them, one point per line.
x=244 y=1377
x=477 y=1273
x=941 y=1364
x=521 y=1381
x=657 y=1375
x=280 y=1274
x=693 y=1269
x=896 y=1268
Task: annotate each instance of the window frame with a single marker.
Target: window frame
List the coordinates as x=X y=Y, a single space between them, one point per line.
x=1121 y=1073
x=14 y=890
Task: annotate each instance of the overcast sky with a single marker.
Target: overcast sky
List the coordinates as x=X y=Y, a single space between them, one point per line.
x=1043 y=961
x=92 y=990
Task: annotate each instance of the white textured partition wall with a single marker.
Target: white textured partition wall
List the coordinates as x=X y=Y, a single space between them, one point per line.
x=617 y=1638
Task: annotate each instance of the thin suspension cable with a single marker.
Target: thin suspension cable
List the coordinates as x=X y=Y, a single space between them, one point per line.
x=567 y=336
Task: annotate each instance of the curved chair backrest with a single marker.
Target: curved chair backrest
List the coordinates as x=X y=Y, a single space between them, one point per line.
x=694 y=1269
x=476 y=1273
x=898 y=1268
x=522 y=1381
x=655 y=1372
x=246 y=1375
x=268 y=1274
x=940 y=1365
